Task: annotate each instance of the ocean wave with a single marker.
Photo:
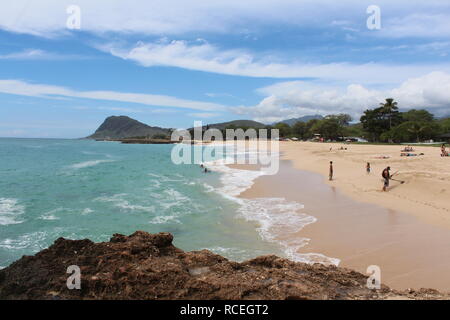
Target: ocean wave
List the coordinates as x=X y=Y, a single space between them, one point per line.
x=119 y=202
x=234 y=254
x=175 y=195
x=164 y=219
x=279 y=222
x=34 y=241
x=10 y=211
x=50 y=215
x=208 y=188
x=86 y=211
x=86 y=164
x=234 y=181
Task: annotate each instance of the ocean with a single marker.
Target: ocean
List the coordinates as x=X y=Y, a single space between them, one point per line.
x=80 y=189
x=86 y=189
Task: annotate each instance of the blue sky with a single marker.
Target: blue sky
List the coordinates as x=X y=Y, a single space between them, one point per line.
x=168 y=63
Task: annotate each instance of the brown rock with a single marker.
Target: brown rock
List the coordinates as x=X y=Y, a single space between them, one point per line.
x=148 y=266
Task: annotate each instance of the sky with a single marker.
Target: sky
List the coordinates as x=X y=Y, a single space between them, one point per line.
x=67 y=65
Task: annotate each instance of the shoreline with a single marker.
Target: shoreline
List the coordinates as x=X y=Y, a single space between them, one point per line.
x=354 y=223
x=166 y=272
x=409 y=252
x=425 y=193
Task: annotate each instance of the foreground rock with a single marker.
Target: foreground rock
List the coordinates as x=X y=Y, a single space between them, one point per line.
x=148 y=266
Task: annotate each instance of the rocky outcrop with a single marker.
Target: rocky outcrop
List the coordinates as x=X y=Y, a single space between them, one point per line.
x=120 y=127
x=148 y=266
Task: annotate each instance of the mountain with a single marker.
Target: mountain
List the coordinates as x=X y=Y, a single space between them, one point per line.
x=293 y=121
x=237 y=124
x=119 y=127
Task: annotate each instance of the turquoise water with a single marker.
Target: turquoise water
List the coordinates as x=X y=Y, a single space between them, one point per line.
x=85 y=189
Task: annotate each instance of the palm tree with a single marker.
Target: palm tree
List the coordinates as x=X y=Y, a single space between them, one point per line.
x=419 y=129
x=389 y=108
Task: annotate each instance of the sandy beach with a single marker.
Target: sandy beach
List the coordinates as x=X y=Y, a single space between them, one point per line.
x=404 y=231
x=425 y=193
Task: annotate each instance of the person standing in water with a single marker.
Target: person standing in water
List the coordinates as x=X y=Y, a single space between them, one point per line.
x=331 y=171
x=386 y=176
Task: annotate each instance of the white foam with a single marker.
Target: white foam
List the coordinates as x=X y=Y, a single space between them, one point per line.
x=208 y=188
x=279 y=220
x=235 y=181
x=234 y=254
x=164 y=219
x=87 y=211
x=49 y=217
x=51 y=214
x=119 y=202
x=87 y=164
x=34 y=241
x=10 y=211
x=175 y=195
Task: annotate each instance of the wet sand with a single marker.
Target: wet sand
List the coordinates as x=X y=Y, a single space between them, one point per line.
x=425 y=193
x=410 y=252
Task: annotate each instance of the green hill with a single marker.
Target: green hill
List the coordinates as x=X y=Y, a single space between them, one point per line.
x=119 y=127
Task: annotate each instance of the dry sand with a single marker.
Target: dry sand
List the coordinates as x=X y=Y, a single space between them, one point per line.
x=425 y=193
x=405 y=231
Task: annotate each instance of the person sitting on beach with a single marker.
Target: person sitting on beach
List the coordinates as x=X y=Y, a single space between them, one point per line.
x=444 y=152
x=368 y=168
x=331 y=171
x=407 y=149
x=386 y=176
x=407 y=154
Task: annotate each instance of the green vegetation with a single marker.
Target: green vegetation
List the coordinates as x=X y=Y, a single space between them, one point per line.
x=160 y=136
x=331 y=127
x=384 y=124
x=381 y=125
x=387 y=124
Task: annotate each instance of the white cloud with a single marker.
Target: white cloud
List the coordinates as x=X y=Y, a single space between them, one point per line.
x=29 y=54
x=417 y=25
x=37 y=54
x=48 y=17
x=18 y=87
x=297 y=98
x=209 y=58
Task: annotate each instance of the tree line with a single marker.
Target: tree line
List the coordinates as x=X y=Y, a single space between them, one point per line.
x=382 y=124
x=385 y=123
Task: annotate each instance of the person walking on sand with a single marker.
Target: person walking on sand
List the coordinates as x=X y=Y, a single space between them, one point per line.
x=331 y=171
x=386 y=176
x=368 y=168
